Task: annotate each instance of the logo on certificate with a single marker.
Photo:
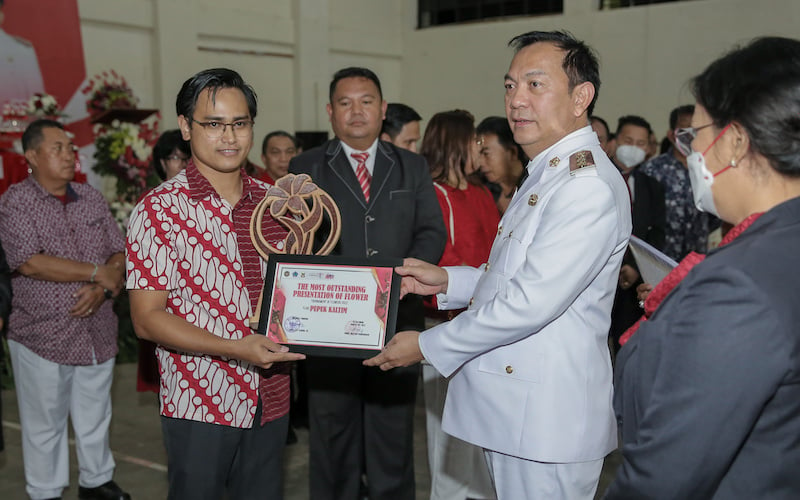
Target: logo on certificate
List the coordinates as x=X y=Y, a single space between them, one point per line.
x=292 y=324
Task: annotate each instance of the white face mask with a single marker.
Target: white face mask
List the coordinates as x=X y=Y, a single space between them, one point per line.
x=630 y=156
x=701 y=179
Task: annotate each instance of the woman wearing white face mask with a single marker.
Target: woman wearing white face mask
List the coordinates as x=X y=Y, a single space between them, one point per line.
x=708 y=389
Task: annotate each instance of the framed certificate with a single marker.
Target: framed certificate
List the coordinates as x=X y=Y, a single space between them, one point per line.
x=330 y=306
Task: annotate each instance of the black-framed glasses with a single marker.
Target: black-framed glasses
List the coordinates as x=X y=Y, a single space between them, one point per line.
x=685 y=136
x=215 y=129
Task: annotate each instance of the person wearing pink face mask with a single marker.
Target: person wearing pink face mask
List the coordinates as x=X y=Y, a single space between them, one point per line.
x=707 y=390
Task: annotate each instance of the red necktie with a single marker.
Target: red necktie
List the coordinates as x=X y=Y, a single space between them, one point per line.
x=362 y=173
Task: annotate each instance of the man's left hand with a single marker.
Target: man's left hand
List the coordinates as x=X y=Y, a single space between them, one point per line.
x=402 y=350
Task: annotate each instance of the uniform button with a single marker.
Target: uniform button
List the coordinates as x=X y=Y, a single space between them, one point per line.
x=486 y=268
x=510 y=233
x=509 y=369
x=500 y=230
x=369 y=218
x=371 y=252
x=471 y=301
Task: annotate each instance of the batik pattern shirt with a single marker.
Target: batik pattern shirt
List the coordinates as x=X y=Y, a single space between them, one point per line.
x=80 y=228
x=687 y=227
x=185 y=239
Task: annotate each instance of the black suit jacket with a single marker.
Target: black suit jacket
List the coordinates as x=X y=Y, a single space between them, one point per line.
x=649 y=211
x=402 y=218
x=649 y=217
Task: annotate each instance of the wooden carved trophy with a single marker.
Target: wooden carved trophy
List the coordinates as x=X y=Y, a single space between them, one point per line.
x=299 y=205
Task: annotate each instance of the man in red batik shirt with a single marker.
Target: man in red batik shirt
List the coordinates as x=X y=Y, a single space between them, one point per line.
x=194 y=278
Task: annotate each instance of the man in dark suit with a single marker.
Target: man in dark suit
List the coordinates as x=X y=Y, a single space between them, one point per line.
x=389 y=209
x=648 y=215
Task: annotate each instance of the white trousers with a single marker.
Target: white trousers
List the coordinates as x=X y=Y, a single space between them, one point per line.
x=47 y=393
x=458 y=469
x=517 y=479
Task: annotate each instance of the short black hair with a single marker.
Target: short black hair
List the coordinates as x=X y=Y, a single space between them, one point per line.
x=353 y=72
x=637 y=121
x=397 y=115
x=33 y=134
x=168 y=142
x=498 y=126
x=213 y=79
x=580 y=61
x=686 y=109
x=277 y=133
x=758 y=87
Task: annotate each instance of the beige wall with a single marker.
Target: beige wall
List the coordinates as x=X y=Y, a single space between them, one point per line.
x=288 y=49
x=157 y=44
x=647 y=54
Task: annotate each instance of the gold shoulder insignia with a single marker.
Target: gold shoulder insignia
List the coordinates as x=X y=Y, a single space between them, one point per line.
x=581 y=159
x=22 y=41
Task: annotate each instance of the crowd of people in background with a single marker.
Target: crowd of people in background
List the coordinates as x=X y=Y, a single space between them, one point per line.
x=515 y=231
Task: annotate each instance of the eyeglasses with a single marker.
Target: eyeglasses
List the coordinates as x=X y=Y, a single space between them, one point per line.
x=215 y=129
x=182 y=159
x=685 y=136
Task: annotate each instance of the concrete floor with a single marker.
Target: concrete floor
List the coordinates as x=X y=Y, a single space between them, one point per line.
x=140 y=457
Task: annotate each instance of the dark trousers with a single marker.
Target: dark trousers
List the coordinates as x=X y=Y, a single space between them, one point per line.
x=206 y=461
x=360 y=415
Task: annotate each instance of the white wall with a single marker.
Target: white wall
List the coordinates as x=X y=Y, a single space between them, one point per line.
x=647 y=54
x=157 y=44
x=288 y=50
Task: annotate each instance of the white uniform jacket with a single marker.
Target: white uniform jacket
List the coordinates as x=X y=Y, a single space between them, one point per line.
x=529 y=360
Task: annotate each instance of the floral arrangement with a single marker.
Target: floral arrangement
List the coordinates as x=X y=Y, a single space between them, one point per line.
x=17 y=114
x=108 y=90
x=41 y=105
x=123 y=151
x=15 y=108
x=14 y=118
x=121 y=210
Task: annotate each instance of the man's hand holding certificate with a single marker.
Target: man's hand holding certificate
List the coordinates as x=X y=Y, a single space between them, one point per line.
x=421 y=278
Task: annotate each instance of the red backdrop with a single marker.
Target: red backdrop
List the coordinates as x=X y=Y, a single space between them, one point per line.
x=53 y=26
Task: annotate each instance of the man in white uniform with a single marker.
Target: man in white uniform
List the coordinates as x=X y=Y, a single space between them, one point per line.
x=530 y=367
x=20 y=76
